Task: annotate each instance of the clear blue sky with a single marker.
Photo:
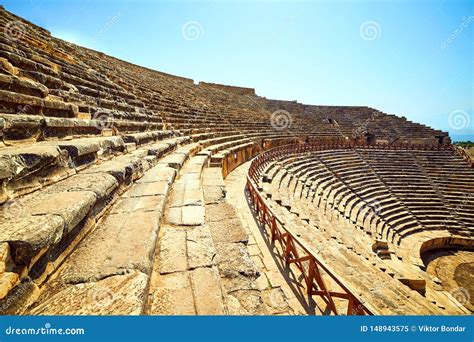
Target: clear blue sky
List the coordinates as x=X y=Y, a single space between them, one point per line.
x=413 y=58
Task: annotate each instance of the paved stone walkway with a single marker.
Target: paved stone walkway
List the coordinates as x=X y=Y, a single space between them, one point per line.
x=277 y=284
x=185 y=279
x=208 y=262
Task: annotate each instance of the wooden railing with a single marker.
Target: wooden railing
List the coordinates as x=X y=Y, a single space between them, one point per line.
x=462 y=152
x=296 y=251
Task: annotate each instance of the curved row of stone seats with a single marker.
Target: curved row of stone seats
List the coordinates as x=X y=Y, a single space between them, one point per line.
x=203 y=265
x=39 y=230
x=375 y=197
x=159 y=84
x=418 y=193
x=22 y=128
x=47 y=128
x=15 y=67
x=135 y=94
x=357 y=207
x=30 y=167
x=292 y=199
x=324 y=230
x=360 y=173
x=366 y=192
x=26 y=168
x=192 y=90
x=374 y=280
x=456 y=187
x=232 y=154
x=353 y=122
x=347 y=251
x=303 y=171
x=41 y=251
x=106 y=148
x=166 y=84
x=40 y=62
x=125 y=263
x=48 y=93
x=87 y=129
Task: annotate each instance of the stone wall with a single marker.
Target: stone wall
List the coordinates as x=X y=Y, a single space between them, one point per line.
x=232 y=89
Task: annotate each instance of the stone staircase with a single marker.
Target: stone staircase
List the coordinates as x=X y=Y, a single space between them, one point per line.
x=112 y=198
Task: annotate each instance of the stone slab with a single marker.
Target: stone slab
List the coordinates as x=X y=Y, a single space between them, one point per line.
x=171 y=294
x=200 y=247
x=228 y=230
x=172 y=250
x=147 y=189
x=145 y=203
x=115 y=295
x=121 y=243
x=207 y=291
x=192 y=215
x=159 y=173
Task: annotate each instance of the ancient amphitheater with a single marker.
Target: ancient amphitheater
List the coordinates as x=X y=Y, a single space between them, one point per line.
x=130 y=191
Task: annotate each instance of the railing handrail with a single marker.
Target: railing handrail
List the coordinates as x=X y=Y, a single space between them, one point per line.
x=361 y=307
x=258 y=165
x=462 y=152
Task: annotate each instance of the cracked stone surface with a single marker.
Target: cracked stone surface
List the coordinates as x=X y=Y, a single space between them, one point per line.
x=115 y=295
x=86 y=211
x=120 y=250
x=200 y=247
x=171 y=294
x=172 y=250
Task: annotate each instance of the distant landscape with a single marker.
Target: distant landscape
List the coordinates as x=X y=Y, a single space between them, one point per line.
x=462 y=137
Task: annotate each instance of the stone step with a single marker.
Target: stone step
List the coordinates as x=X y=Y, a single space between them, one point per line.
x=41 y=226
x=137 y=213
x=29 y=168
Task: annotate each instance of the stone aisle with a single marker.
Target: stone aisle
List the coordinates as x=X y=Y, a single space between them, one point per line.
x=206 y=261
x=283 y=295
x=185 y=279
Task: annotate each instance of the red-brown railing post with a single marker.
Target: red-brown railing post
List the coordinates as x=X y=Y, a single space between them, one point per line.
x=315 y=283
